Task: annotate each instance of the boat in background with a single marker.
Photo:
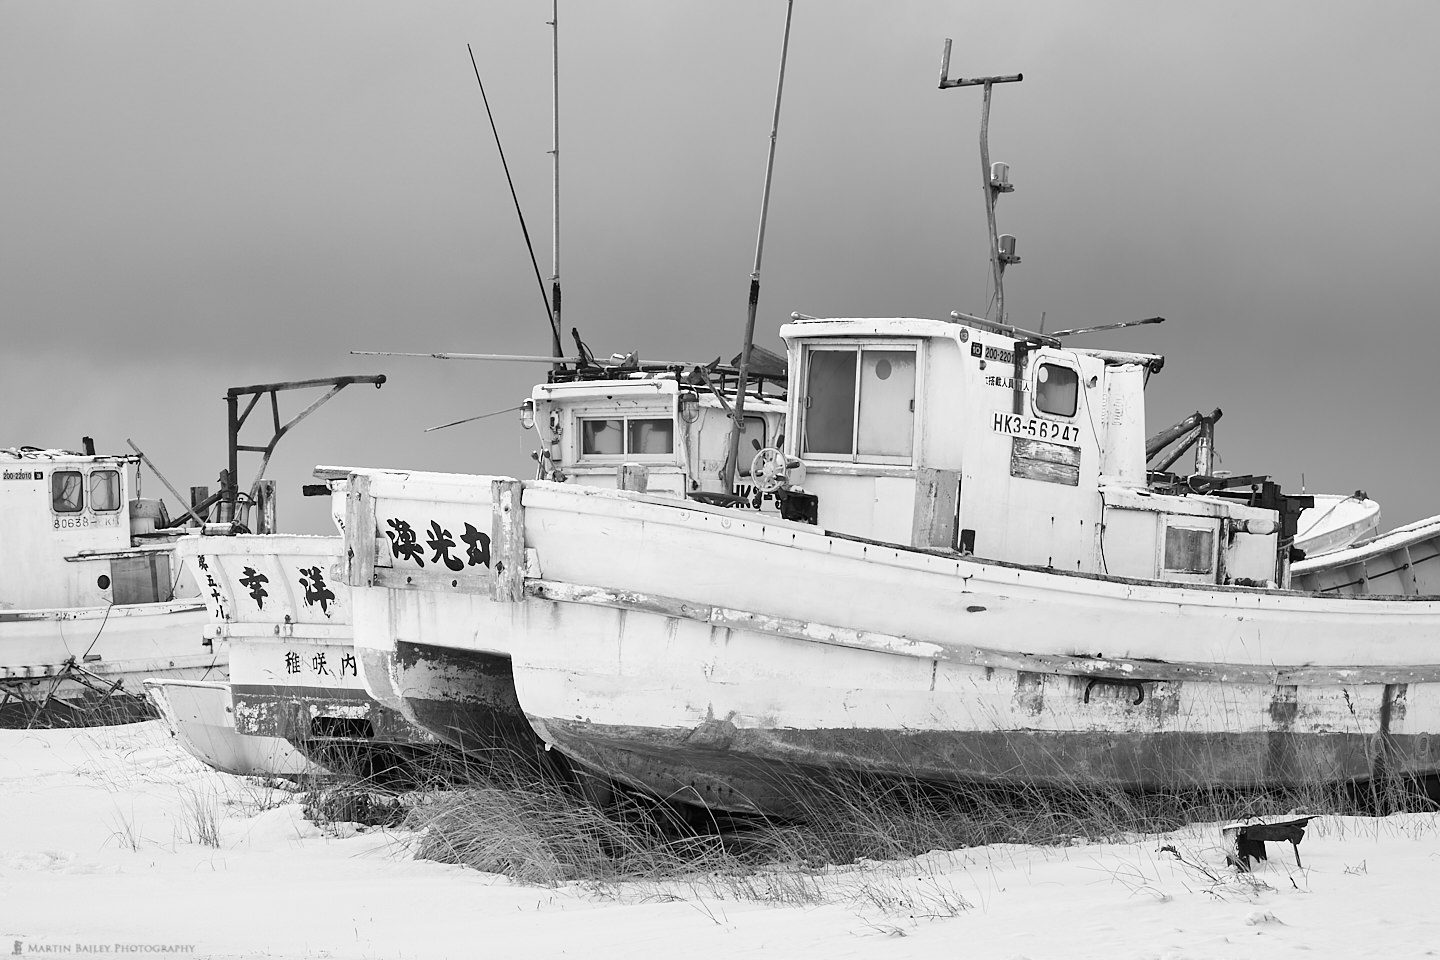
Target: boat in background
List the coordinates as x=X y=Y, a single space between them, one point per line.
x=91 y=600
x=200 y=716
x=1400 y=563
x=1336 y=522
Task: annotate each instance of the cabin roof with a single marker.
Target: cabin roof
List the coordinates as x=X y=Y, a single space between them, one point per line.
x=24 y=454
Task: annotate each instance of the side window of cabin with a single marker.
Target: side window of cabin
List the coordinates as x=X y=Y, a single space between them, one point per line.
x=1189 y=551
x=67 y=491
x=143 y=579
x=655 y=436
x=1057 y=390
x=860 y=403
x=635 y=437
x=887 y=403
x=830 y=402
x=105 y=491
x=602 y=438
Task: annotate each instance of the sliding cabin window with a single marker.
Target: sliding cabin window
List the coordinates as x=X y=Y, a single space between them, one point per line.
x=105 y=491
x=1057 y=390
x=619 y=437
x=67 y=491
x=860 y=404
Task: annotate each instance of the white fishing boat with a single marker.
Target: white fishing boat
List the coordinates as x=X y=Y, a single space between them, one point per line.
x=992 y=588
x=91 y=600
x=629 y=426
x=277 y=603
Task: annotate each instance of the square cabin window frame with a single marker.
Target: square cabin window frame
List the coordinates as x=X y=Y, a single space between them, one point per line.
x=65 y=476
x=112 y=480
x=625 y=420
x=1052 y=361
x=858 y=347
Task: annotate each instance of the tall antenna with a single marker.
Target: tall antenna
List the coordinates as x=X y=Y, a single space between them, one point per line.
x=738 y=415
x=996 y=178
x=555 y=324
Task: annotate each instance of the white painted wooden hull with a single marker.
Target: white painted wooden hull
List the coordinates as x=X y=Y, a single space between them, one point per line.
x=712 y=654
x=294 y=671
x=75 y=655
x=200 y=715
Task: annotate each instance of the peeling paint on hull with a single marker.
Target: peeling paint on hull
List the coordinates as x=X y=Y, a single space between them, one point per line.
x=466 y=699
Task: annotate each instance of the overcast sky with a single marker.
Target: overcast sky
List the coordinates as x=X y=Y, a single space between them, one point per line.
x=199 y=196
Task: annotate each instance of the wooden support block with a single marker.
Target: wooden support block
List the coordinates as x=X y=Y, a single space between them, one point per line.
x=360 y=532
x=507 y=540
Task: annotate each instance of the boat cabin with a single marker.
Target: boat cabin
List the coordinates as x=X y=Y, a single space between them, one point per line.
x=72 y=532
x=590 y=430
x=960 y=436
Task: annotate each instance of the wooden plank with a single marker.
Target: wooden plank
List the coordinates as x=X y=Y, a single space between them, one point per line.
x=1047 y=462
x=1054 y=664
x=634 y=477
x=936 y=493
x=507 y=540
x=437 y=579
x=360 y=532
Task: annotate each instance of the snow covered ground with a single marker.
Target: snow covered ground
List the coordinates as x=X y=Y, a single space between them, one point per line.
x=103 y=851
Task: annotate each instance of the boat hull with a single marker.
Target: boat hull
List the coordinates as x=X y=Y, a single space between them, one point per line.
x=200 y=715
x=737 y=660
x=69 y=663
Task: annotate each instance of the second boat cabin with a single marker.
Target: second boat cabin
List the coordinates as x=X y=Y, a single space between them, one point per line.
x=68 y=523
x=956 y=436
x=590 y=429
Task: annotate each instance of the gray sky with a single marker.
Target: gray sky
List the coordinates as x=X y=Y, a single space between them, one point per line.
x=198 y=196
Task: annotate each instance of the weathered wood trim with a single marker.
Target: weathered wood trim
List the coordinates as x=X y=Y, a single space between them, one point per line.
x=634 y=477
x=507 y=541
x=437 y=579
x=936 y=493
x=1049 y=462
x=359 y=531
x=1115 y=668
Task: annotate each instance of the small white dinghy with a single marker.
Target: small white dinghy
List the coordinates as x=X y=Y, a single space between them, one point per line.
x=1336 y=522
x=200 y=716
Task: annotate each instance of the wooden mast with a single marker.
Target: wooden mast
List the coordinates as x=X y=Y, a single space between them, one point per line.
x=737 y=422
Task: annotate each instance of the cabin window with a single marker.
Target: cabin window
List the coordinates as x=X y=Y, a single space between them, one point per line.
x=650 y=436
x=1057 y=390
x=887 y=403
x=830 y=402
x=67 y=491
x=860 y=403
x=142 y=579
x=104 y=490
x=1189 y=551
x=636 y=437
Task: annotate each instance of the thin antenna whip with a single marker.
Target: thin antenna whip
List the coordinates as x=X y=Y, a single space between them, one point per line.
x=738 y=416
x=554 y=327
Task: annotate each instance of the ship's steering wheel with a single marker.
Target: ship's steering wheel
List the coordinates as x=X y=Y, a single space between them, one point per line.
x=768 y=470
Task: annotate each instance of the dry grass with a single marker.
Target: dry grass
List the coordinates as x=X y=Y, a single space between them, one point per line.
x=855 y=838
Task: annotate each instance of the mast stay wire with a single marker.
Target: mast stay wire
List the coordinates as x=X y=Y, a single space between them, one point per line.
x=550 y=313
